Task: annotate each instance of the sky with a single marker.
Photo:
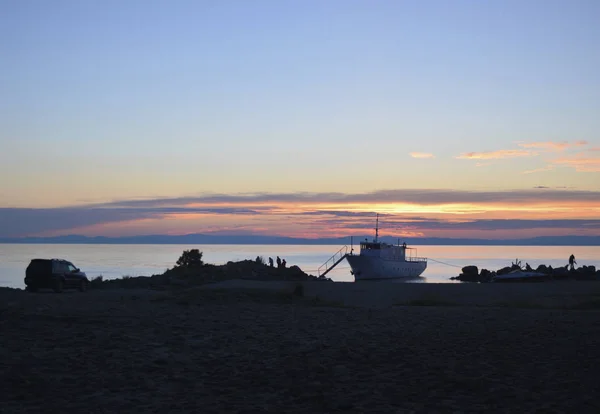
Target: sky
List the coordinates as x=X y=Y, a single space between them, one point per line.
x=300 y=118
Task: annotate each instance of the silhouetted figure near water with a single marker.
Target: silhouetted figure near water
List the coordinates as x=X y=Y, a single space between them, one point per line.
x=270 y=262
x=572 y=262
x=278 y=262
x=283 y=263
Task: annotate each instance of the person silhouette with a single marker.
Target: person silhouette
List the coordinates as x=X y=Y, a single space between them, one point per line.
x=572 y=262
x=270 y=262
x=278 y=262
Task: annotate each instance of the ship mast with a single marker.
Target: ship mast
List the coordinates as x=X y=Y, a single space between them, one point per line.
x=377 y=228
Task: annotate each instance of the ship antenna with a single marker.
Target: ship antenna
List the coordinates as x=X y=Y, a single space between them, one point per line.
x=377 y=228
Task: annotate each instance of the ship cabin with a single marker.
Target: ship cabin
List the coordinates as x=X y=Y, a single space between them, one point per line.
x=383 y=250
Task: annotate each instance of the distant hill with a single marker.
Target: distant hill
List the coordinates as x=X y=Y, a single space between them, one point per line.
x=249 y=239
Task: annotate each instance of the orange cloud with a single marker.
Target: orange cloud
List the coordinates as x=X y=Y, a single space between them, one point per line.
x=528 y=151
x=421 y=155
x=552 y=146
x=497 y=154
x=546 y=168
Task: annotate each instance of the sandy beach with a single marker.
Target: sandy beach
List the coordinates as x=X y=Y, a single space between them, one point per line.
x=243 y=346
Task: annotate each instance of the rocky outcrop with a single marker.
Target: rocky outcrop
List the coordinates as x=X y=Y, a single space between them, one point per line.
x=181 y=276
x=470 y=273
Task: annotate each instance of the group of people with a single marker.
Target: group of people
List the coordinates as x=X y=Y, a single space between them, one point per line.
x=280 y=263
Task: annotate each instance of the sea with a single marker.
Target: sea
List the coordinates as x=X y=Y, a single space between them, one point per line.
x=116 y=260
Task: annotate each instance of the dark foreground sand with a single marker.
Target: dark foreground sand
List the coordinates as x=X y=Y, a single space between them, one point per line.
x=215 y=351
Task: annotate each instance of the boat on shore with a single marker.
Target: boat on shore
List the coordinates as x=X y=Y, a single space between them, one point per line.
x=521 y=276
x=378 y=260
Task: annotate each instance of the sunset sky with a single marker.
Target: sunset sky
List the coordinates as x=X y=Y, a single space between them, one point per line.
x=458 y=118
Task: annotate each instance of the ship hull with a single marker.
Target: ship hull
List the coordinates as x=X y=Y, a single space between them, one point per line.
x=371 y=268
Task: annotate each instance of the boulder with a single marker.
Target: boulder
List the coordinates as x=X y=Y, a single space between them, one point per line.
x=543 y=269
x=467 y=277
x=561 y=271
x=485 y=275
x=470 y=270
x=585 y=273
x=470 y=273
x=504 y=270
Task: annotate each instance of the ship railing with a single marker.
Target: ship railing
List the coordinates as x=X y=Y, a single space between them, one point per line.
x=333 y=261
x=416 y=259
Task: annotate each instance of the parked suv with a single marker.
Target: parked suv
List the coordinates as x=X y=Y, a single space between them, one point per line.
x=56 y=274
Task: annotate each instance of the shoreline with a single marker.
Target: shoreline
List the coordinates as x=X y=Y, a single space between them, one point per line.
x=565 y=295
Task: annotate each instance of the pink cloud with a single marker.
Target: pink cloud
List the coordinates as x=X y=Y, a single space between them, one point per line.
x=497 y=154
x=529 y=149
x=553 y=146
x=546 y=168
x=421 y=155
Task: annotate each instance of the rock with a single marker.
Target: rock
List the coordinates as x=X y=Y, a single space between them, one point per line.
x=207 y=273
x=471 y=277
x=543 y=269
x=585 y=273
x=561 y=271
x=504 y=270
x=469 y=273
x=485 y=275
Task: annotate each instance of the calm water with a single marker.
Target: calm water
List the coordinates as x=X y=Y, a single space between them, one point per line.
x=113 y=261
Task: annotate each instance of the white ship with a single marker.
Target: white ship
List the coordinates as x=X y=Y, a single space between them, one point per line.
x=378 y=260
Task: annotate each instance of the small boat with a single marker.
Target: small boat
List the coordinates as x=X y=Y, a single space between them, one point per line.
x=521 y=276
x=378 y=260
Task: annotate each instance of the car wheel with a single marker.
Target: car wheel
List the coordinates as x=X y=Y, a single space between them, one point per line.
x=83 y=286
x=58 y=285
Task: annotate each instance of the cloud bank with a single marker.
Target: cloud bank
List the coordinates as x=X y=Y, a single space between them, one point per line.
x=580 y=161
x=317 y=211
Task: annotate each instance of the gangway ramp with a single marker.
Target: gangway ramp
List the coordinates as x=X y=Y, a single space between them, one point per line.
x=333 y=261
